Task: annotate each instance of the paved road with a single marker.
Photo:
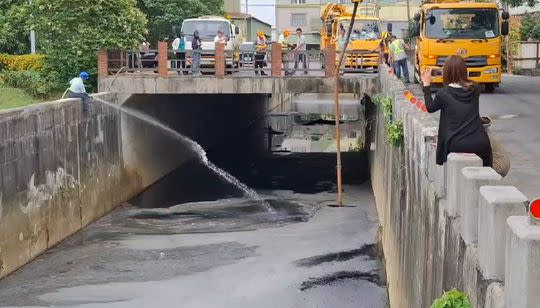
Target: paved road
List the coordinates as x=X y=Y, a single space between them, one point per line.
x=515 y=109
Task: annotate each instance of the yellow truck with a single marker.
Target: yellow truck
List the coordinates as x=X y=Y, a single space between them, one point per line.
x=365 y=36
x=473 y=30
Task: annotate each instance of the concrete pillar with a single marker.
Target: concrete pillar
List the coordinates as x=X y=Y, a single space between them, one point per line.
x=471 y=181
x=522 y=270
x=454 y=164
x=103 y=63
x=220 y=60
x=163 y=59
x=496 y=204
x=277 y=59
x=330 y=60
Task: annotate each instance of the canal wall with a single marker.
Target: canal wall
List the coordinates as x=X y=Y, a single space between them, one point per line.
x=60 y=172
x=446 y=227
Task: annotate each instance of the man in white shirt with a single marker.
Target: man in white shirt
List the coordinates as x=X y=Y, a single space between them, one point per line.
x=301 y=50
x=77 y=90
x=220 y=38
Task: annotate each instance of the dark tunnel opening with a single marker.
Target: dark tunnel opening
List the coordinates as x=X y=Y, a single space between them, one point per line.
x=234 y=131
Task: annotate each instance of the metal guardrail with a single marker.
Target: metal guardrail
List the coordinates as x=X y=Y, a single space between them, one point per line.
x=239 y=62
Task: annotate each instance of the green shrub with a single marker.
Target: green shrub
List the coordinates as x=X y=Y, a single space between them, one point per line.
x=394 y=133
x=384 y=102
x=452 y=299
x=21 y=62
x=30 y=81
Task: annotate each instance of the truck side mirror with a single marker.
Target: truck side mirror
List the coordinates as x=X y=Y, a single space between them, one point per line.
x=505 y=15
x=505 y=28
x=389 y=27
x=416 y=17
x=236 y=30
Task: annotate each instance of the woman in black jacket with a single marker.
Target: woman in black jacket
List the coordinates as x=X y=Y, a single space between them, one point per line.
x=460 y=125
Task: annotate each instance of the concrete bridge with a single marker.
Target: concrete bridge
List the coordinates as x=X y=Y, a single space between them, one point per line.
x=440 y=227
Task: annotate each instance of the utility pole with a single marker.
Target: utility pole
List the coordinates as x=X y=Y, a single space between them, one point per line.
x=408 y=11
x=32 y=38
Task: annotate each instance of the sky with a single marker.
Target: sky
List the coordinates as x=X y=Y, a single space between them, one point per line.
x=262 y=9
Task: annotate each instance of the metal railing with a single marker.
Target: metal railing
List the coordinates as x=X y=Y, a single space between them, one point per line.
x=239 y=62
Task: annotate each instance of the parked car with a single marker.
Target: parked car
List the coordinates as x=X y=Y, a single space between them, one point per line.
x=247 y=54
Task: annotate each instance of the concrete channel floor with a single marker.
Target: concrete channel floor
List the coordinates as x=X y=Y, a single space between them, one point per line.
x=215 y=254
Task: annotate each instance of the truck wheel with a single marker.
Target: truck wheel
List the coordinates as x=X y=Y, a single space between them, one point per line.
x=490 y=87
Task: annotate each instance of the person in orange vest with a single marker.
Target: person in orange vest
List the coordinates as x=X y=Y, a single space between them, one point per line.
x=260 y=45
x=284 y=40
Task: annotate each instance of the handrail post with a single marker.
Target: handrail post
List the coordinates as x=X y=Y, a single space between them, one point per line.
x=220 y=60
x=277 y=59
x=103 y=63
x=163 y=58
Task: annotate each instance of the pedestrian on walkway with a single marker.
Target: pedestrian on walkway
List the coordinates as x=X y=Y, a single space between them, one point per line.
x=260 y=53
x=398 y=57
x=300 y=51
x=78 y=90
x=196 y=47
x=460 y=126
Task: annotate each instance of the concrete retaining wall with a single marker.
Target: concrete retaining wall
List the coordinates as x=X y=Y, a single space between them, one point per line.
x=445 y=227
x=59 y=173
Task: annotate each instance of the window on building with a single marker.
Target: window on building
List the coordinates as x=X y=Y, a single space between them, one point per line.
x=298 y=1
x=298 y=20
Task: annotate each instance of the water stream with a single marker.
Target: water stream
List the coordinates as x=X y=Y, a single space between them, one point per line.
x=197 y=148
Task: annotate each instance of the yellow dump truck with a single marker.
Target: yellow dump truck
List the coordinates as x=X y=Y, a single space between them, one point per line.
x=473 y=30
x=365 y=36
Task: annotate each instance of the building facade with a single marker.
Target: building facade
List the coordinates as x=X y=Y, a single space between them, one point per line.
x=232 y=6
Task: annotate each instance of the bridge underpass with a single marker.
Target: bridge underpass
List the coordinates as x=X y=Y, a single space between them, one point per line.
x=189 y=230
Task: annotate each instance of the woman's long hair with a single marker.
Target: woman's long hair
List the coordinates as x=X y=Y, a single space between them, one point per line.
x=455 y=71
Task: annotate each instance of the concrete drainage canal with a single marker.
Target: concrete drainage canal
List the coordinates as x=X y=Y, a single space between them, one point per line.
x=192 y=239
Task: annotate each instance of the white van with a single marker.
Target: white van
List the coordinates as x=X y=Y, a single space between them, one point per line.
x=208 y=27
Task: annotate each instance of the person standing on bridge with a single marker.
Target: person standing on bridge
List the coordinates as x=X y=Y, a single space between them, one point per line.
x=284 y=40
x=460 y=127
x=398 y=57
x=78 y=90
x=300 y=50
x=260 y=45
x=196 y=47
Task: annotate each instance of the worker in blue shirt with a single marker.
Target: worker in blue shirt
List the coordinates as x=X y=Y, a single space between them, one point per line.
x=77 y=90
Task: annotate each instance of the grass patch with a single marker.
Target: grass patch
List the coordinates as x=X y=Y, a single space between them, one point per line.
x=13 y=98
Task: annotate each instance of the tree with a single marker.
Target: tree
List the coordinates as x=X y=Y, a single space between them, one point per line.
x=515 y=3
x=164 y=14
x=71 y=31
x=530 y=28
x=13 y=38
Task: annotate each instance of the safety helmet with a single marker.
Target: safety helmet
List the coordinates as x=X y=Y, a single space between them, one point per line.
x=385 y=35
x=286 y=33
x=84 y=75
x=260 y=34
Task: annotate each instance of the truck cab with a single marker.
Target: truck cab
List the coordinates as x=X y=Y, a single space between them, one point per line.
x=473 y=30
x=208 y=27
x=365 y=35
